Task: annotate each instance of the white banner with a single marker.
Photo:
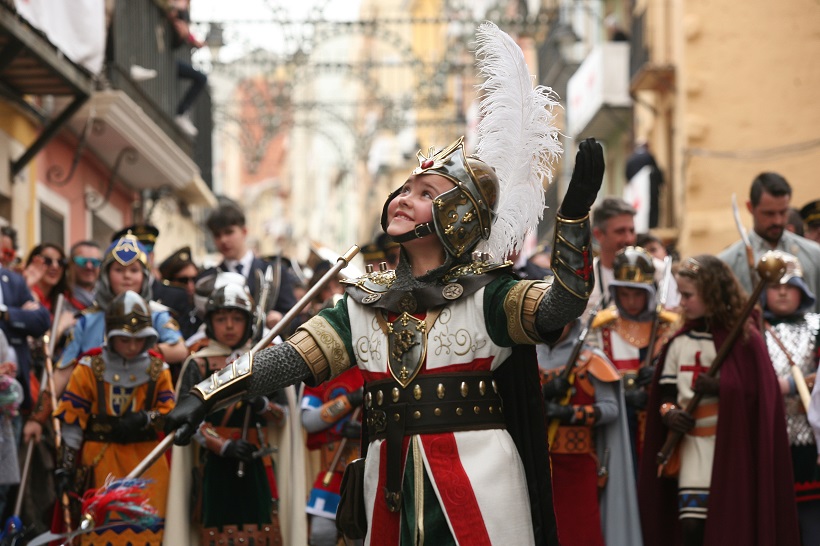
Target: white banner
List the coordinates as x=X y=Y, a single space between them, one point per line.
x=75 y=27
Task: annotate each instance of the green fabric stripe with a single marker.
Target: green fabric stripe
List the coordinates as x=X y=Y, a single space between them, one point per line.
x=494 y=316
x=436 y=530
x=339 y=320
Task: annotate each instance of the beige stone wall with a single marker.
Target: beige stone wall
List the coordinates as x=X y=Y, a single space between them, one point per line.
x=745 y=100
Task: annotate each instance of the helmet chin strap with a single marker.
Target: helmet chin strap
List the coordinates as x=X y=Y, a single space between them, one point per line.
x=421 y=230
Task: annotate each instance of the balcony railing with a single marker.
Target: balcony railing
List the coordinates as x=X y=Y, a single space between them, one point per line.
x=141 y=34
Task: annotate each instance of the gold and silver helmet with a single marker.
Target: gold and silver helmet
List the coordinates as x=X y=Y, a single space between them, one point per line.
x=634 y=264
x=463 y=215
x=128 y=315
x=634 y=267
x=125 y=251
x=231 y=296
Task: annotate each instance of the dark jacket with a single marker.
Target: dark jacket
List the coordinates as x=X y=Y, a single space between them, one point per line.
x=21 y=323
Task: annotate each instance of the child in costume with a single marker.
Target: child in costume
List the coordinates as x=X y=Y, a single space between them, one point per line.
x=327 y=415
x=124 y=267
x=791 y=332
x=623 y=330
x=593 y=478
x=110 y=411
x=230 y=507
x=455 y=434
x=734 y=485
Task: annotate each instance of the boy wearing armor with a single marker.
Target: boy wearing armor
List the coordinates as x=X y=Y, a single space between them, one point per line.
x=111 y=411
x=791 y=333
x=592 y=475
x=623 y=330
x=431 y=340
x=236 y=493
x=334 y=426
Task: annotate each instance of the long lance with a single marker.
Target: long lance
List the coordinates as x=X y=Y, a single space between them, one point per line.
x=656 y=321
x=770 y=269
x=341 y=263
x=46 y=379
x=747 y=243
x=566 y=373
x=261 y=312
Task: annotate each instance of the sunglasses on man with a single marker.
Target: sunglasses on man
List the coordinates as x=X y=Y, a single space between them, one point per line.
x=82 y=261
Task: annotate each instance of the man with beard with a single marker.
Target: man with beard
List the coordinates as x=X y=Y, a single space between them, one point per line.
x=769 y=201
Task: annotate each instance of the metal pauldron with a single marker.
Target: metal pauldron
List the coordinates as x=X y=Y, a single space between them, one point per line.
x=572 y=256
x=229 y=383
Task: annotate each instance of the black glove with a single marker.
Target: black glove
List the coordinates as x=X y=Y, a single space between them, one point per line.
x=707 y=385
x=352 y=429
x=355 y=398
x=556 y=388
x=586 y=180
x=239 y=449
x=564 y=414
x=185 y=418
x=128 y=424
x=679 y=421
x=636 y=398
x=645 y=375
x=259 y=404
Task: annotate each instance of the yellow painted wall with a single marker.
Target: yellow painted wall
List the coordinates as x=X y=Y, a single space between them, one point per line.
x=746 y=91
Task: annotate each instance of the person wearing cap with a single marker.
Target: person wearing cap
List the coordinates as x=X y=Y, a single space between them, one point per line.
x=623 y=330
x=769 y=201
x=792 y=332
x=111 y=413
x=462 y=479
x=810 y=213
x=176 y=289
x=146 y=234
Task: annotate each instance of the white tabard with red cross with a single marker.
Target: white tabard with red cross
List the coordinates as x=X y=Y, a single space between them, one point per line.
x=690 y=355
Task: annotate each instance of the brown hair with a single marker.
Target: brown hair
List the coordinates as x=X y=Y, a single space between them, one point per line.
x=718 y=287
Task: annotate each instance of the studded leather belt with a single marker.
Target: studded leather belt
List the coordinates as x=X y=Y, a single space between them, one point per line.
x=430 y=404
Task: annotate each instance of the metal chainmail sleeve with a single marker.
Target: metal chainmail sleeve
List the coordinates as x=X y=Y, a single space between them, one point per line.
x=558 y=308
x=275 y=368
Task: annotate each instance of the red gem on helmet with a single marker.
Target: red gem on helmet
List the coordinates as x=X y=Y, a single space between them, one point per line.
x=427 y=164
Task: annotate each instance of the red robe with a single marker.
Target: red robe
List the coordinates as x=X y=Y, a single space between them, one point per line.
x=751 y=498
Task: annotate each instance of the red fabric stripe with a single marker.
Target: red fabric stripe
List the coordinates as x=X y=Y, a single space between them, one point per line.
x=384 y=527
x=456 y=491
x=476 y=365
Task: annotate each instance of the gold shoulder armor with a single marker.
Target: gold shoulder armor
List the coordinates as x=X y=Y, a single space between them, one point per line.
x=605 y=316
x=669 y=316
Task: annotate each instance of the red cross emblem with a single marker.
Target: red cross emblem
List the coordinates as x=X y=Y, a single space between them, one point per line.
x=585 y=271
x=697 y=368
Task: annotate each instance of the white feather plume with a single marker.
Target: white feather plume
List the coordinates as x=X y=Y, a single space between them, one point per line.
x=516 y=135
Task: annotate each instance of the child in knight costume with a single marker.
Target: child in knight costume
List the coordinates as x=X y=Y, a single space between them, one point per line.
x=593 y=480
x=115 y=399
x=124 y=267
x=331 y=416
x=734 y=480
x=455 y=435
x=791 y=332
x=623 y=332
x=229 y=506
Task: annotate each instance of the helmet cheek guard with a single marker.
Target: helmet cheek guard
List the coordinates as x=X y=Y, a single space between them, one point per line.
x=128 y=315
x=462 y=216
x=231 y=296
